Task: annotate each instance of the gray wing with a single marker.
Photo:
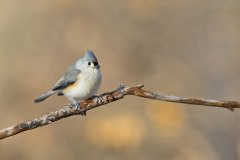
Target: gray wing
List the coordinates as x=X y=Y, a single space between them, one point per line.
x=69 y=78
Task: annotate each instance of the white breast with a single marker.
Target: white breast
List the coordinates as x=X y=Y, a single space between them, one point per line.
x=87 y=85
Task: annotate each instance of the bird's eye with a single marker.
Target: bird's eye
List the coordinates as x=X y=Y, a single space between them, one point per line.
x=89 y=63
x=95 y=63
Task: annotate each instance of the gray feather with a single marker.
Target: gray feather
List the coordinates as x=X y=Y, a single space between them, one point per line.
x=89 y=56
x=69 y=78
x=44 y=96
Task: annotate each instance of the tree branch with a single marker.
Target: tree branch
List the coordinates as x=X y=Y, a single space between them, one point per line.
x=106 y=98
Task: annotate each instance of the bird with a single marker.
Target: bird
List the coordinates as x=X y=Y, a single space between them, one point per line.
x=81 y=81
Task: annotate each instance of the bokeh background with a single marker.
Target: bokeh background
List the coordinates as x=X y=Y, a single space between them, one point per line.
x=179 y=47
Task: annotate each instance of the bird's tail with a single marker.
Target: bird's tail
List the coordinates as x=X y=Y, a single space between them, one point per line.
x=44 y=96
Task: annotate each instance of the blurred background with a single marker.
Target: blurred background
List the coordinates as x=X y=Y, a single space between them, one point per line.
x=178 y=47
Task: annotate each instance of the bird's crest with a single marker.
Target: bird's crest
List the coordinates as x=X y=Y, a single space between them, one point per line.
x=89 y=56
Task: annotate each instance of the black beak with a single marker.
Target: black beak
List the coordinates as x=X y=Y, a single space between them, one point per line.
x=97 y=66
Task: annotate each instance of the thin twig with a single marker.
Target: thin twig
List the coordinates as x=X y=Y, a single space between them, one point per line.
x=105 y=98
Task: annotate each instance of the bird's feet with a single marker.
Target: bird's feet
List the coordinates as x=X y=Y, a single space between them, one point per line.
x=97 y=99
x=92 y=97
x=78 y=107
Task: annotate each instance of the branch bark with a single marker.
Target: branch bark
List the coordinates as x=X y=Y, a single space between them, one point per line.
x=106 y=98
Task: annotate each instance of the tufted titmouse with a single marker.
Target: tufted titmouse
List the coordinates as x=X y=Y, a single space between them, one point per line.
x=81 y=81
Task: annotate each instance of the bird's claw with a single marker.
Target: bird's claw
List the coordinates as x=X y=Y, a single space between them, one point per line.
x=92 y=97
x=78 y=107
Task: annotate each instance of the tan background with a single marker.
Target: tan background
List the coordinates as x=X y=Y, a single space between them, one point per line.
x=180 y=47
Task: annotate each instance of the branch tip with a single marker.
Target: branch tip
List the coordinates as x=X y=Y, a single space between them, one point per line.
x=231 y=108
